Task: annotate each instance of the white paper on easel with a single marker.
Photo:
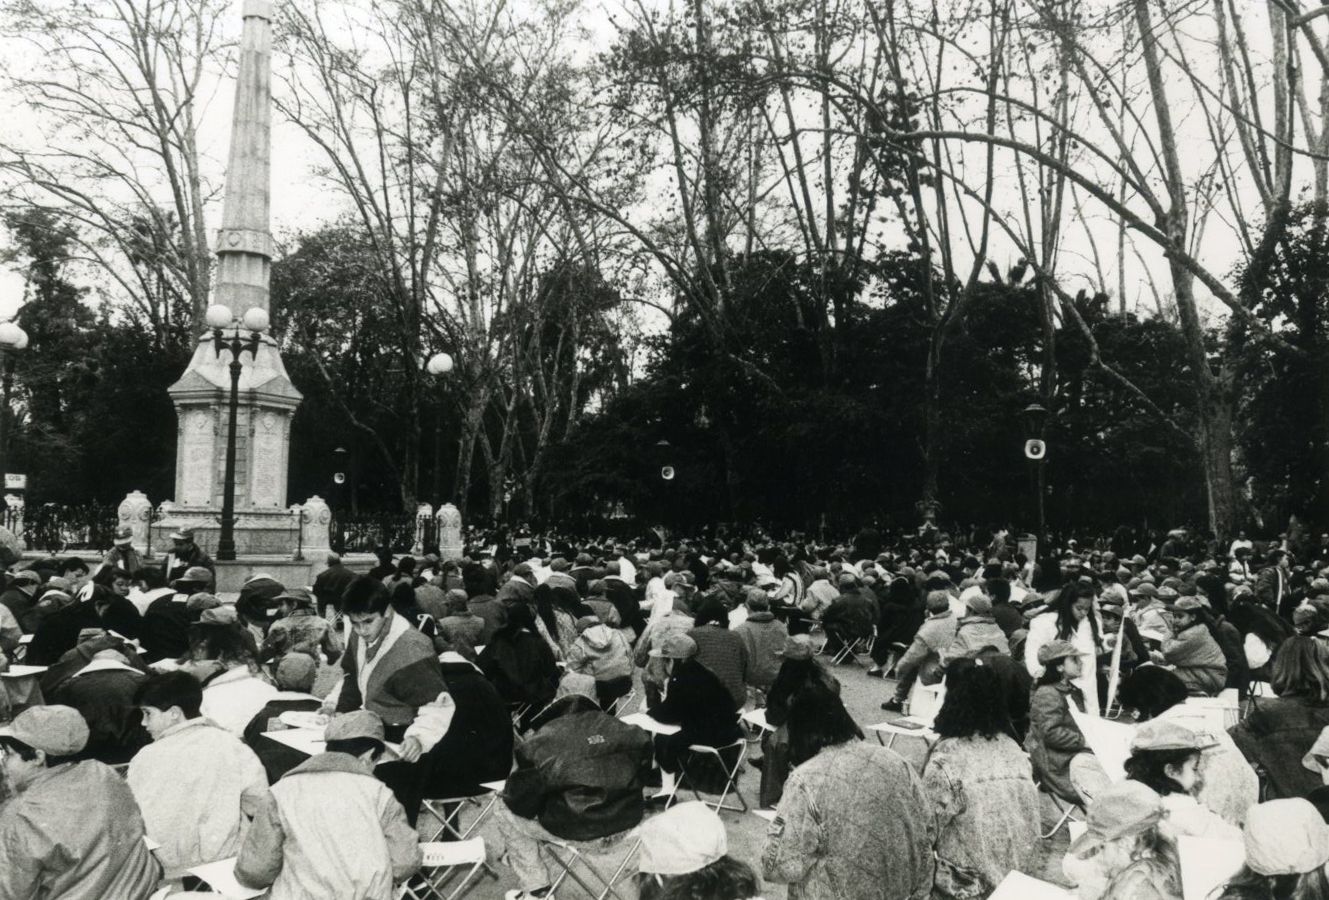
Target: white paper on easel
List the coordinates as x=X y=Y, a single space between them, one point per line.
x=1019 y=886
x=1110 y=741
x=220 y=876
x=1207 y=863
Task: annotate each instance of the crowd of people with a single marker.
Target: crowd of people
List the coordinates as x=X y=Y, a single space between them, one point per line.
x=432 y=678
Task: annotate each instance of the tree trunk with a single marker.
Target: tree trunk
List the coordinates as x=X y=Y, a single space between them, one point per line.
x=1216 y=446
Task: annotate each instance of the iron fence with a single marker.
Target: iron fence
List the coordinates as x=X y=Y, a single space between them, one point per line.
x=366 y=532
x=60 y=527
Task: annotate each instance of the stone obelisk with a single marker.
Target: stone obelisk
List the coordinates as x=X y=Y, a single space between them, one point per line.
x=267 y=397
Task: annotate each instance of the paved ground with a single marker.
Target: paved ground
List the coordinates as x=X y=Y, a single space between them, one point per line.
x=862 y=696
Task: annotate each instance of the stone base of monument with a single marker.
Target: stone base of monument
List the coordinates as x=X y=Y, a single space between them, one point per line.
x=231 y=576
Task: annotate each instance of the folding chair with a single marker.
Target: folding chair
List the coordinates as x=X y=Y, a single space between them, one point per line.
x=730 y=773
x=622 y=704
x=518 y=712
x=568 y=857
x=852 y=649
x=1064 y=807
x=447 y=812
x=443 y=862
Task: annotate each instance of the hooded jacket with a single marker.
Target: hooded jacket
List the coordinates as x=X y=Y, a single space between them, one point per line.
x=298 y=843
x=1054 y=738
x=1197 y=659
x=602 y=653
x=933 y=636
x=764 y=636
x=972 y=635
x=581 y=773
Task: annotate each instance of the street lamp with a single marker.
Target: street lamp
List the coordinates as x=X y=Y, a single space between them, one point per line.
x=12 y=337
x=1035 y=421
x=338 y=498
x=219 y=317
x=438 y=365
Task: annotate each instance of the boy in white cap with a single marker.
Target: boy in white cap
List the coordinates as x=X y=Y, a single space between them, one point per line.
x=684 y=852
x=74 y=830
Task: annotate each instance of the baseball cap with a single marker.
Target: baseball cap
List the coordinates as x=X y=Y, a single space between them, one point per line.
x=1145 y=589
x=1055 y=650
x=194 y=575
x=361 y=723
x=1122 y=809
x=1285 y=837
x=1162 y=734
x=297 y=595
x=682 y=839
x=54 y=730
x=675 y=646
x=219 y=615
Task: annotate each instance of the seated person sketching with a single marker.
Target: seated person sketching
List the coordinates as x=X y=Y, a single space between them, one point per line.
x=73 y=830
x=299 y=629
x=685 y=853
x=295 y=679
x=332 y=828
x=579 y=777
x=197 y=784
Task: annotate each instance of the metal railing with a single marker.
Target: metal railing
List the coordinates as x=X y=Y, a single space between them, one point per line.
x=60 y=527
x=366 y=532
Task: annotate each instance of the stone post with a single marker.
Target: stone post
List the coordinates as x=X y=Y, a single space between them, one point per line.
x=449 y=532
x=423 y=513
x=317 y=523
x=135 y=513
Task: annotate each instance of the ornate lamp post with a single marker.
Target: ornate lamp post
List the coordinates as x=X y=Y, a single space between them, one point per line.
x=1035 y=421
x=12 y=337
x=439 y=365
x=220 y=318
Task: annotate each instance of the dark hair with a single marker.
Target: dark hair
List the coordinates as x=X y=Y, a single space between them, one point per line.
x=999 y=589
x=105 y=575
x=355 y=746
x=1251 y=885
x=72 y=564
x=975 y=703
x=1251 y=618
x=167 y=689
x=724 y=879
x=712 y=610
x=817 y=719
x=519 y=618
x=1151 y=690
x=152 y=577
x=364 y=596
x=1065 y=606
x=223 y=643
x=28 y=753
x=406 y=565
x=1148 y=767
x=1301 y=668
x=1051 y=672
x=544 y=608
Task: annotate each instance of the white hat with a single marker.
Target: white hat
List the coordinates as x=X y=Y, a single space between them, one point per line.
x=682 y=839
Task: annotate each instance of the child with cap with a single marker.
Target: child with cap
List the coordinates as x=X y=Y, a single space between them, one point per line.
x=73 y=830
x=1124 y=855
x=1287 y=847
x=1054 y=739
x=1165 y=756
x=1192 y=651
x=684 y=854
x=333 y=829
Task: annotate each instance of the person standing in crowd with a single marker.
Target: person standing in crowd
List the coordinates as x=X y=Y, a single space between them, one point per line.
x=122 y=554
x=197 y=784
x=1287 y=849
x=186 y=555
x=1124 y=854
x=934 y=636
x=855 y=853
x=1272 y=582
x=979 y=782
x=330 y=584
x=1166 y=756
x=1072 y=619
x=685 y=854
x=297 y=846
x=73 y=831
x=579 y=777
x=1276 y=732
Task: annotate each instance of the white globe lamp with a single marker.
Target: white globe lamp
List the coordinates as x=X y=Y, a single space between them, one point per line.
x=439 y=364
x=218 y=316
x=256 y=319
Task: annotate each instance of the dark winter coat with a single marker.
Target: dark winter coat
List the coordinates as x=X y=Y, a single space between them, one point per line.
x=581 y=774
x=1275 y=735
x=521 y=666
x=478 y=744
x=1054 y=738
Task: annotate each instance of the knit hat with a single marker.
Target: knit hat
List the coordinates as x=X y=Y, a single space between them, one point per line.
x=1122 y=809
x=1055 y=650
x=675 y=646
x=1285 y=837
x=798 y=646
x=938 y=601
x=361 y=723
x=1163 y=734
x=296 y=672
x=682 y=839
x=979 y=605
x=55 y=730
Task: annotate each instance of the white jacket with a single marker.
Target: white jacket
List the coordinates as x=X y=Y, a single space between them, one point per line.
x=233 y=698
x=1043 y=629
x=198 y=786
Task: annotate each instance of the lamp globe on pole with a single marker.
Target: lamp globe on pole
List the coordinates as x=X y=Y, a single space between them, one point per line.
x=439 y=364
x=256 y=320
x=219 y=316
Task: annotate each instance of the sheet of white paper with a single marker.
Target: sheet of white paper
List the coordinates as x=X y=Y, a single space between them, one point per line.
x=642 y=720
x=767 y=814
x=1019 y=886
x=1206 y=863
x=1110 y=741
x=757 y=719
x=220 y=876
x=17 y=671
